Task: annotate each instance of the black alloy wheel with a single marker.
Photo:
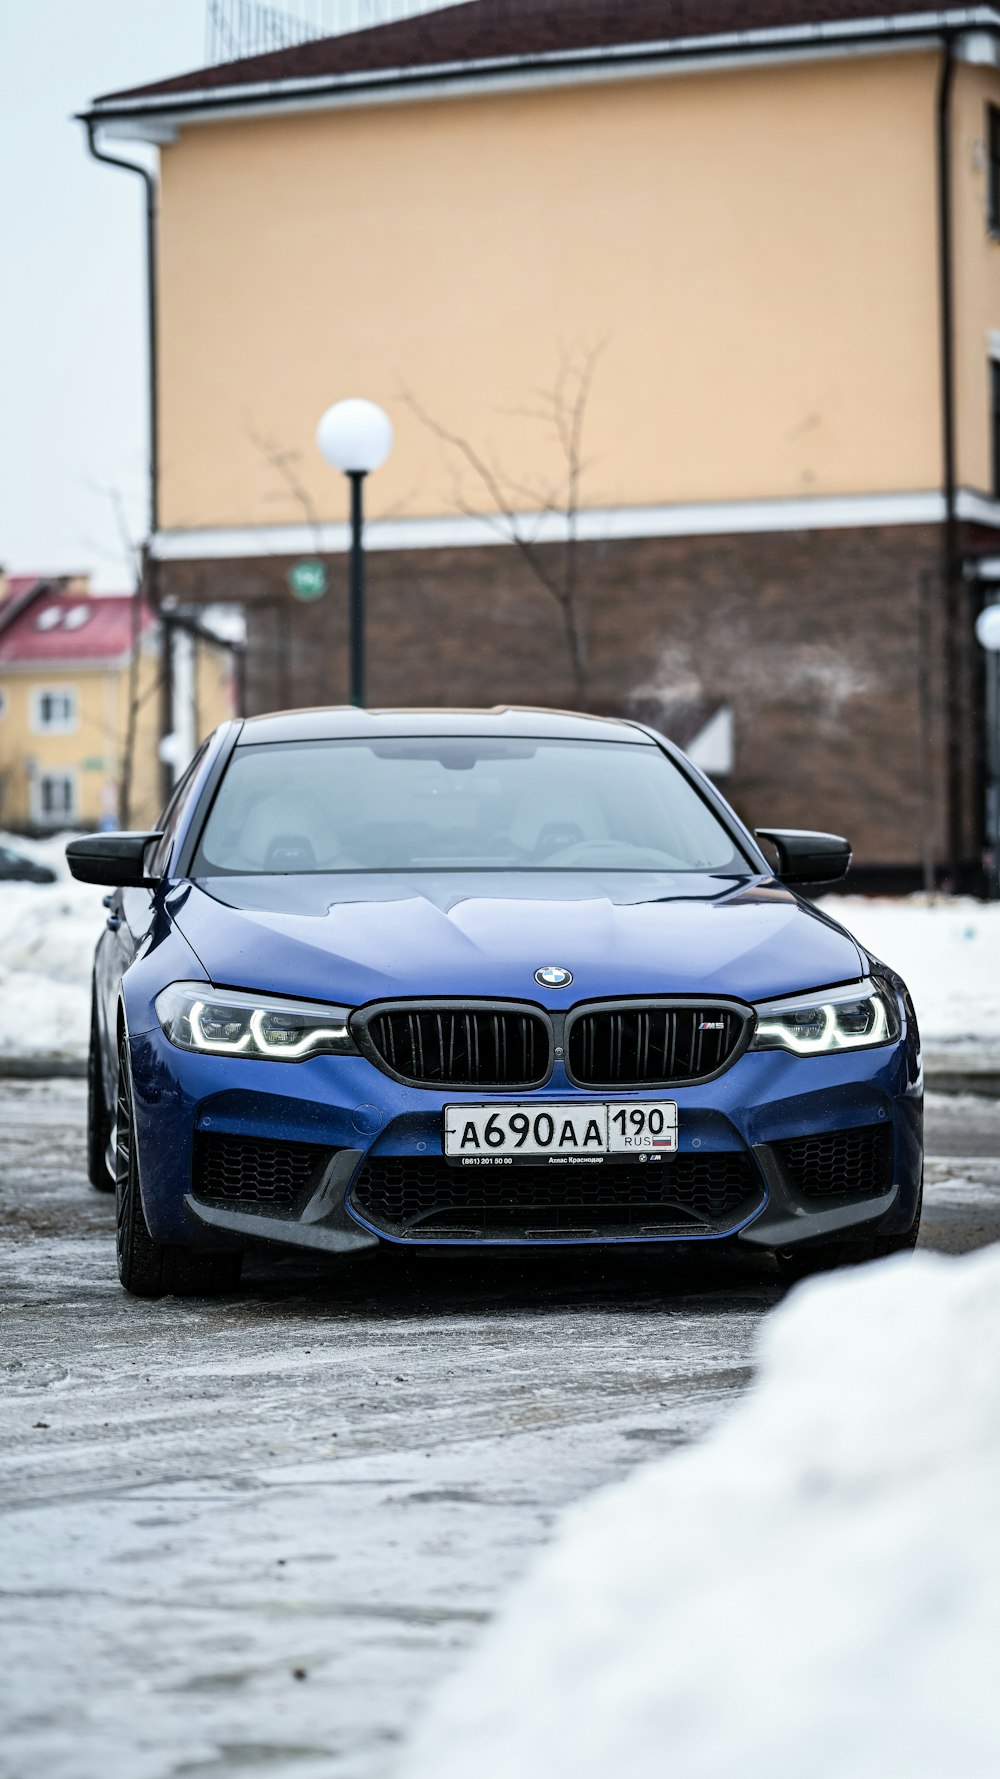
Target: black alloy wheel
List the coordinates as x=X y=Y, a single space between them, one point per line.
x=148 y=1268
x=98 y=1117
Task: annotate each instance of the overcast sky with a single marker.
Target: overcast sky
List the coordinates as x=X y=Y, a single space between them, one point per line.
x=72 y=315
x=72 y=341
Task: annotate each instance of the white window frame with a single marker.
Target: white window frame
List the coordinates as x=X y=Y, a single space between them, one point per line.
x=71 y=723
x=42 y=818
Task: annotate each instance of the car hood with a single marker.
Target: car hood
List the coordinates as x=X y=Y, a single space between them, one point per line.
x=358 y=938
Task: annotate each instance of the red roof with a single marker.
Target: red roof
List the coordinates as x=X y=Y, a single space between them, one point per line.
x=16 y=584
x=522 y=29
x=63 y=629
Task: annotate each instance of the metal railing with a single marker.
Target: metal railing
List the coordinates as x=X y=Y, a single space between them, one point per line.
x=238 y=28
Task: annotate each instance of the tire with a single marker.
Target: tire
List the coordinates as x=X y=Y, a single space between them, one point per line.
x=148 y=1268
x=857 y=1252
x=98 y=1117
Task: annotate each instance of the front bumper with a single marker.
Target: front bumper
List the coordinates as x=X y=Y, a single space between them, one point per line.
x=350 y=1110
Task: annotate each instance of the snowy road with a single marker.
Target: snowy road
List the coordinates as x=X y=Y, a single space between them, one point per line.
x=246 y=1538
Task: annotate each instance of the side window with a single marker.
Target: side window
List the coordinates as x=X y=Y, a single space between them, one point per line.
x=170 y=819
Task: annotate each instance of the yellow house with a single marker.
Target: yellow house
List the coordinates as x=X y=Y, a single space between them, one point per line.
x=80 y=716
x=688 y=320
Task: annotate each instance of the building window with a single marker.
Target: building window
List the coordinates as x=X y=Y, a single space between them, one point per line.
x=3 y=704
x=993 y=141
x=53 y=799
x=53 y=711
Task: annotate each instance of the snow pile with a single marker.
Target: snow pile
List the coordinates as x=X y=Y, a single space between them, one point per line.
x=50 y=850
x=946 y=948
x=813 y=1591
x=47 y=938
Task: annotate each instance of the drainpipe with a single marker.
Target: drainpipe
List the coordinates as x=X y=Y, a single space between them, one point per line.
x=149 y=181
x=951 y=567
x=152 y=371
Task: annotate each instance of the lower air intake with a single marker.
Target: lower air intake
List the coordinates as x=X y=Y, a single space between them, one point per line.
x=850 y=1163
x=254 y=1173
x=427 y=1200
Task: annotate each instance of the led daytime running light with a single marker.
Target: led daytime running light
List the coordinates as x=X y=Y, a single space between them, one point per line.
x=334 y=1034
x=216 y=1044
x=821 y=1026
x=186 y=1009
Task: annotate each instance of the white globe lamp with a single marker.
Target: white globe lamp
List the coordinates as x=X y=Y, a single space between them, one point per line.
x=988 y=629
x=355 y=436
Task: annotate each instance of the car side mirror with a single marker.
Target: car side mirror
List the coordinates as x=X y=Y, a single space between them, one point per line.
x=116 y=860
x=804 y=857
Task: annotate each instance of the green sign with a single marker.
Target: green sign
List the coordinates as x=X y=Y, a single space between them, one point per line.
x=307 y=579
x=93 y=764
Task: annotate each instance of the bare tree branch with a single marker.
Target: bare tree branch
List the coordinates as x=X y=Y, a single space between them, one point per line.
x=562 y=410
x=127 y=764
x=284 y=462
x=491 y=481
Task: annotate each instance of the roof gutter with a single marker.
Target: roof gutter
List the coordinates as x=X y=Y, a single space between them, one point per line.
x=843 y=35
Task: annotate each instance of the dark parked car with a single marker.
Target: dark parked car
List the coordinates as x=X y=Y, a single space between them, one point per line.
x=15 y=868
x=450 y=980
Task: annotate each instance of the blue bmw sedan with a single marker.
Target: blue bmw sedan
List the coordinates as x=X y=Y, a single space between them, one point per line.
x=467 y=979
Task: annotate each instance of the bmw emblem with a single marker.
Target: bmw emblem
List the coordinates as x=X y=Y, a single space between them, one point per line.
x=553 y=976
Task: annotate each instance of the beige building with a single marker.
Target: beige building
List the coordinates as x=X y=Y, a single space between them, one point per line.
x=688 y=321
x=72 y=669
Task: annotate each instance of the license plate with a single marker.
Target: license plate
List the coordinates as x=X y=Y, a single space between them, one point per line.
x=479 y=1135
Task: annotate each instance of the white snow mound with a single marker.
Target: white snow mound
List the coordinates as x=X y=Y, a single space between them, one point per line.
x=946 y=948
x=813 y=1591
x=47 y=938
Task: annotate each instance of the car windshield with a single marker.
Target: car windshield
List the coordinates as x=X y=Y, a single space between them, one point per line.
x=459 y=803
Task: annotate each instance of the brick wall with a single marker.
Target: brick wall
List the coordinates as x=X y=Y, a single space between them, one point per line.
x=812 y=638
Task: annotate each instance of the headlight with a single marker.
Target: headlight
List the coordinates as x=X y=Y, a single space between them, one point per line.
x=841 y=1019
x=220 y=1022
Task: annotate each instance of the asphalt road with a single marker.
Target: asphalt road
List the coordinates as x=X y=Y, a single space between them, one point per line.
x=246 y=1538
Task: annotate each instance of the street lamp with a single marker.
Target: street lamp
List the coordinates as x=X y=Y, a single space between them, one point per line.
x=356 y=437
x=988 y=637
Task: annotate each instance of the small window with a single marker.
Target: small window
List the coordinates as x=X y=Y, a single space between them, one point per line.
x=76 y=617
x=3 y=704
x=53 y=711
x=54 y=799
x=48 y=618
x=993 y=140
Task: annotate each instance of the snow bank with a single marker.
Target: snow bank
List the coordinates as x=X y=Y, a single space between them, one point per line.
x=813 y=1591
x=50 y=850
x=47 y=938
x=947 y=949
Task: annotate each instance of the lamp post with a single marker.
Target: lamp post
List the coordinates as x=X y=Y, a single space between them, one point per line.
x=988 y=637
x=356 y=437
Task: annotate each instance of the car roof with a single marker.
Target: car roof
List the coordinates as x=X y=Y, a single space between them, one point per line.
x=345 y=723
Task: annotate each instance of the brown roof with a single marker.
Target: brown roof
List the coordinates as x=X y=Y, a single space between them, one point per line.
x=523 y=29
